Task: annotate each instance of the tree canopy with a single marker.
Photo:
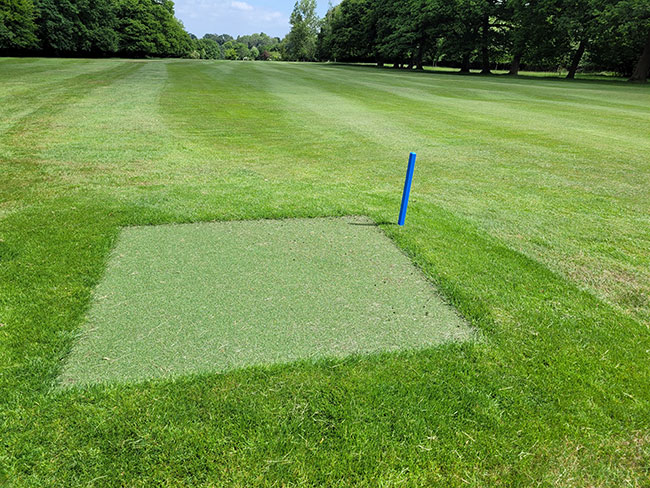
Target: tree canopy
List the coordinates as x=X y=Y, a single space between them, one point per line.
x=301 y=40
x=130 y=28
x=92 y=28
x=17 y=25
x=81 y=26
x=594 y=35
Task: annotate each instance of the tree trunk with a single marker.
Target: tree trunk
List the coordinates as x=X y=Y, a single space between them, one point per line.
x=516 y=64
x=642 y=68
x=380 y=64
x=485 y=46
x=465 y=63
x=418 y=58
x=576 y=60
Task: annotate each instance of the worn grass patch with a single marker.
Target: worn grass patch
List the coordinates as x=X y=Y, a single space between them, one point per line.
x=217 y=296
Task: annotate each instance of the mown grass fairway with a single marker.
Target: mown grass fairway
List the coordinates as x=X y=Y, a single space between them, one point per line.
x=530 y=211
x=215 y=297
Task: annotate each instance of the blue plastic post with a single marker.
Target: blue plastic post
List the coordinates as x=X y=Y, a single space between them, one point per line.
x=407 y=189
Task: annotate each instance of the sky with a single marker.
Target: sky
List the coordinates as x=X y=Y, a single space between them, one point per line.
x=238 y=17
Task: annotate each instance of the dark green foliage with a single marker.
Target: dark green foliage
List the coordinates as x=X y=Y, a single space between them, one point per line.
x=236 y=50
x=536 y=36
x=17 y=26
x=78 y=27
x=220 y=39
x=96 y=28
x=149 y=27
x=260 y=41
x=206 y=48
x=350 y=43
x=541 y=34
x=624 y=28
x=223 y=46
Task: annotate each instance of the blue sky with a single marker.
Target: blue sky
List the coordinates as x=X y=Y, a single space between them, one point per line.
x=238 y=17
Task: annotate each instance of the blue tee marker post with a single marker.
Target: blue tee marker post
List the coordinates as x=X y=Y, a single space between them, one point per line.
x=407 y=189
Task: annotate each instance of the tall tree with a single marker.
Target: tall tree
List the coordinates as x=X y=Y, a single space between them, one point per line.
x=416 y=29
x=326 y=35
x=626 y=28
x=301 y=40
x=396 y=33
x=347 y=32
x=148 y=27
x=536 y=35
x=463 y=38
x=642 y=68
x=581 y=20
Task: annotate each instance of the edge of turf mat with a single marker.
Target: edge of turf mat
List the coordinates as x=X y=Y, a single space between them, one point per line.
x=213 y=297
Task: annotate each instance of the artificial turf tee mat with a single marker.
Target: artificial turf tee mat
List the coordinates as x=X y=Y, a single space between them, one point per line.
x=187 y=298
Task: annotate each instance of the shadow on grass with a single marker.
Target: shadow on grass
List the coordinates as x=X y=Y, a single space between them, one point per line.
x=372 y=224
x=594 y=79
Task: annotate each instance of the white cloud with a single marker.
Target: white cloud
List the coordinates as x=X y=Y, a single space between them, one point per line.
x=241 y=6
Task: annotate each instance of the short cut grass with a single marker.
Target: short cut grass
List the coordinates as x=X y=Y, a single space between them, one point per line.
x=530 y=211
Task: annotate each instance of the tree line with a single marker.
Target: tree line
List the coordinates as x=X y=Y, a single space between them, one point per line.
x=223 y=46
x=596 y=35
x=130 y=28
x=92 y=28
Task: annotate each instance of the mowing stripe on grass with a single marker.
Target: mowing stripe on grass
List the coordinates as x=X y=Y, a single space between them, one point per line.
x=178 y=299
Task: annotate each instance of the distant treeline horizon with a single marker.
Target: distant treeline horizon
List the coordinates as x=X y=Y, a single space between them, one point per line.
x=542 y=35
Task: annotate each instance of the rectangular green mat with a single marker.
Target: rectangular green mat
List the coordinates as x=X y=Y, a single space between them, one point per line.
x=187 y=298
